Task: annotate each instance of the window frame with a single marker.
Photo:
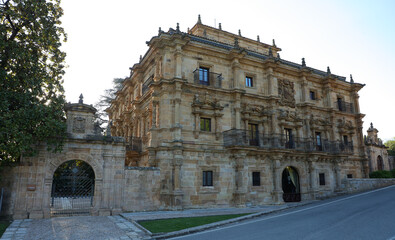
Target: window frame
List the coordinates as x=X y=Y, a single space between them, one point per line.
x=207 y=178
x=204 y=75
x=322 y=179
x=253 y=134
x=249 y=81
x=256 y=179
x=313 y=95
x=318 y=141
x=206 y=123
x=289 y=141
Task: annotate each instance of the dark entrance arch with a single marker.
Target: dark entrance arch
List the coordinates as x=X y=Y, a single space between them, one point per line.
x=291 y=185
x=380 y=163
x=72 y=188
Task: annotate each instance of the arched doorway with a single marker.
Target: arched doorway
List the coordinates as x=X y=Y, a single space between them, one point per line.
x=72 y=188
x=290 y=184
x=380 y=163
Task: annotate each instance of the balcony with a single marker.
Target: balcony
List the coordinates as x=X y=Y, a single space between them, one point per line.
x=344 y=106
x=134 y=144
x=146 y=85
x=242 y=138
x=207 y=78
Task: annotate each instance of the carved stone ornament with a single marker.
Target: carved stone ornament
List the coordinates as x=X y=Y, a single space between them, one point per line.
x=79 y=125
x=289 y=116
x=253 y=109
x=287 y=92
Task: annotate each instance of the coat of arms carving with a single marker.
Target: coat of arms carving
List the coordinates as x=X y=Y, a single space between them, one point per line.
x=79 y=125
x=287 y=92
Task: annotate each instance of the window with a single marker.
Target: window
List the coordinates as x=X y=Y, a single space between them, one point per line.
x=345 y=139
x=322 y=179
x=318 y=141
x=249 y=82
x=288 y=138
x=253 y=134
x=340 y=104
x=207 y=178
x=349 y=175
x=204 y=74
x=205 y=124
x=256 y=179
x=312 y=95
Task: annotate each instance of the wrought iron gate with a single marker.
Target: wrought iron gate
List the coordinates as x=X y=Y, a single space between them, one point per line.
x=72 y=189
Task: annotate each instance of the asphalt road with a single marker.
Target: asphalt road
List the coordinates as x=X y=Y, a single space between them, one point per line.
x=369 y=215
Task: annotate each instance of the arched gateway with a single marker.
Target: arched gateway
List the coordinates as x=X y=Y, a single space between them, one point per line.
x=290 y=184
x=72 y=188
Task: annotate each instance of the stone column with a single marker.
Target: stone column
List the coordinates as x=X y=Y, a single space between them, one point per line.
x=241 y=180
x=356 y=101
x=177 y=174
x=313 y=177
x=154 y=113
x=260 y=133
x=237 y=111
x=236 y=73
x=270 y=78
x=277 y=193
x=178 y=63
x=337 y=175
x=305 y=92
x=328 y=98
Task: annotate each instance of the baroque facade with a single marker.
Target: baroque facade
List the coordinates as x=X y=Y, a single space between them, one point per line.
x=230 y=123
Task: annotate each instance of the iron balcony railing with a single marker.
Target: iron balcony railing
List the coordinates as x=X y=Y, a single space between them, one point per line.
x=240 y=138
x=344 y=106
x=207 y=78
x=146 y=85
x=134 y=144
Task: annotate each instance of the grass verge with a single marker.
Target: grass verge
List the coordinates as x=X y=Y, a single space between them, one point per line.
x=3 y=226
x=176 y=224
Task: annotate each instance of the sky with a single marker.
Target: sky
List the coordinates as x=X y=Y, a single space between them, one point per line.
x=106 y=38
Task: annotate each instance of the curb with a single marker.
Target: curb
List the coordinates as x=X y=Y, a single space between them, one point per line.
x=217 y=224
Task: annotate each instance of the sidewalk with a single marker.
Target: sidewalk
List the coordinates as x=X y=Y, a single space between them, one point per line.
x=123 y=226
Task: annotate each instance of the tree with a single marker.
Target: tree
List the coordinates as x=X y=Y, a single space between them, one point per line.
x=391 y=146
x=105 y=100
x=31 y=71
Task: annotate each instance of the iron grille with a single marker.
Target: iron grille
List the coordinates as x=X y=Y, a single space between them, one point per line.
x=72 y=188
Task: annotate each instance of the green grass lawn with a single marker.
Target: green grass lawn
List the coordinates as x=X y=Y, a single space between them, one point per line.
x=175 y=224
x=3 y=226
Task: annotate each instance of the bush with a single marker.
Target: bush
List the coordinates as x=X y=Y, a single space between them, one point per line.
x=382 y=174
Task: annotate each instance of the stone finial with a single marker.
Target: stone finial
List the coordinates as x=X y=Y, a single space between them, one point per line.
x=219 y=26
x=351 y=80
x=328 y=70
x=236 y=43
x=303 y=63
x=257 y=38
x=188 y=30
x=270 y=52
x=204 y=33
x=81 y=101
x=274 y=43
x=371 y=125
x=239 y=32
x=278 y=55
x=199 y=20
x=159 y=31
x=141 y=58
x=178 y=27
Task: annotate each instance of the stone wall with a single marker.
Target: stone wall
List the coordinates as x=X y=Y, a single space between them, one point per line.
x=354 y=185
x=141 y=189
